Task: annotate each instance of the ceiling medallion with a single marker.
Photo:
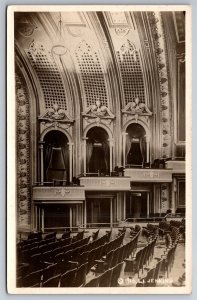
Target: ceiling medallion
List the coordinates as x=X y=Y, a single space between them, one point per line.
x=59 y=50
x=120 y=31
x=75 y=31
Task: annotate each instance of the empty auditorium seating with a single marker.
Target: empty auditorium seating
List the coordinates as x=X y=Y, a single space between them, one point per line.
x=69 y=261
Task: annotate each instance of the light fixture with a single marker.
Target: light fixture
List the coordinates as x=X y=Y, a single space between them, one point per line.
x=59 y=48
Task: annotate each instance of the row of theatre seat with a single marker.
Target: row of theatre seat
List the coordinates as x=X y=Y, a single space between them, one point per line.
x=159 y=272
x=73 y=265
x=68 y=264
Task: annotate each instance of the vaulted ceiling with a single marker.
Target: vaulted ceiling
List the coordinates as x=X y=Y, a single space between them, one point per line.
x=75 y=58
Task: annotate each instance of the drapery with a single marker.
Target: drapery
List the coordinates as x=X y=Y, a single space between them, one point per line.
x=105 y=146
x=136 y=153
x=57 y=168
x=65 y=153
x=89 y=150
x=143 y=149
x=128 y=146
x=47 y=158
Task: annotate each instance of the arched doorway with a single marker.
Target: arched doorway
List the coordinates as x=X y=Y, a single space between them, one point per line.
x=56 y=157
x=97 y=151
x=135 y=147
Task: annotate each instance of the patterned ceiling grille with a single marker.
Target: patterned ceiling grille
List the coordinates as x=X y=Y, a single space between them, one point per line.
x=92 y=75
x=49 y=77
x=131 y=72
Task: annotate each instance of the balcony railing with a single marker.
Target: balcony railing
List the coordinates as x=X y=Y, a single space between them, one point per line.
x=57 y=182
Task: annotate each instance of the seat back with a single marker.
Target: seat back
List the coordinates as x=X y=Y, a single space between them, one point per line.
x=80 y=278
x=32 y=280
x=116 y=271
x=52 y=282
x=68 y=278
x=105 y=278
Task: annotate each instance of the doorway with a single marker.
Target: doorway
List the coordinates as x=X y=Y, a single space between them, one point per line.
x=99 y=211
x=137 y=205
x=56 y=215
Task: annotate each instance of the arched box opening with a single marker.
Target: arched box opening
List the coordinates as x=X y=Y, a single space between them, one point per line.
x=97 y=151
x=56 y=158
x=135 y=146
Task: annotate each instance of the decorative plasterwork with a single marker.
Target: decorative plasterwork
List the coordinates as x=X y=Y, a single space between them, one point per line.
x=118 y=19
x=165 y=197
x=25 y=27
x=160 y=51
x=128 y=47
x=55 y=118
x=137 y=109
x=56 y=114
x=122 y=31
x=98 y=114
x=23 y=151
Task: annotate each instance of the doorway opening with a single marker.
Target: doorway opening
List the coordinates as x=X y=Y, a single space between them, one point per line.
x=137 y=205
x=99 y=211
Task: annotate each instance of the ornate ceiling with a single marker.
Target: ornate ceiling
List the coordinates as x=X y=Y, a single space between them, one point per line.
x=75 y=59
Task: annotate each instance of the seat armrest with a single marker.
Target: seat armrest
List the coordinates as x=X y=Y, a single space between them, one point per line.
x=99 y=261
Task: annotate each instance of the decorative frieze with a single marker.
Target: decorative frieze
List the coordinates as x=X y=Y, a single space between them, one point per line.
x=55 y=118
x=105 y=183
x=165 y=197
x=149 y=175
x=98 y=114
x=23 y=151
x=58 y=193
x=160 y=51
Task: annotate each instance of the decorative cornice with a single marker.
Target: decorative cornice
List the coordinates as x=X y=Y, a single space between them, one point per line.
x=98 y=111
x=56 y=114
x=160 y=51
x=137 y=108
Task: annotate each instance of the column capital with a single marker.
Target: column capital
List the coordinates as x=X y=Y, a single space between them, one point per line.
x=124 y=133
x=148 y=137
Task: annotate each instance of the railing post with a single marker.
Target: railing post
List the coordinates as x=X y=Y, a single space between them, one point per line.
x=70 y=161
x=147 y=148
x=84 y=156
x=70 y=213
x=124 y=134
x=111 y=213
x=41 y=146
x=84 y=212
x=173 y=195
x=111 y=144
x=42 y=219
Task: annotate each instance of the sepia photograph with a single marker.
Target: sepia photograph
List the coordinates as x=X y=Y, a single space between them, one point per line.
x=99 y=149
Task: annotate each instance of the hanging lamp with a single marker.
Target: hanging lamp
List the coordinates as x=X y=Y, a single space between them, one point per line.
x=59 y=48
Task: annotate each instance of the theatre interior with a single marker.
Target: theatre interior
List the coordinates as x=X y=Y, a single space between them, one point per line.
x=100 y=148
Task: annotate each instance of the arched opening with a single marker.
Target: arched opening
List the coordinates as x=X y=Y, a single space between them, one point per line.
x=56 y=157
x=135 y=145
x=97 y=151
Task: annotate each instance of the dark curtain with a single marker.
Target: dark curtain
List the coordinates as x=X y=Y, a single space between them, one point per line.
x=128 y=147
x=65 y=153
x=143 y=148
x=105 y=146
x=56 y=167
x=135 y=156
x=89 y=150
x=47 y=158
